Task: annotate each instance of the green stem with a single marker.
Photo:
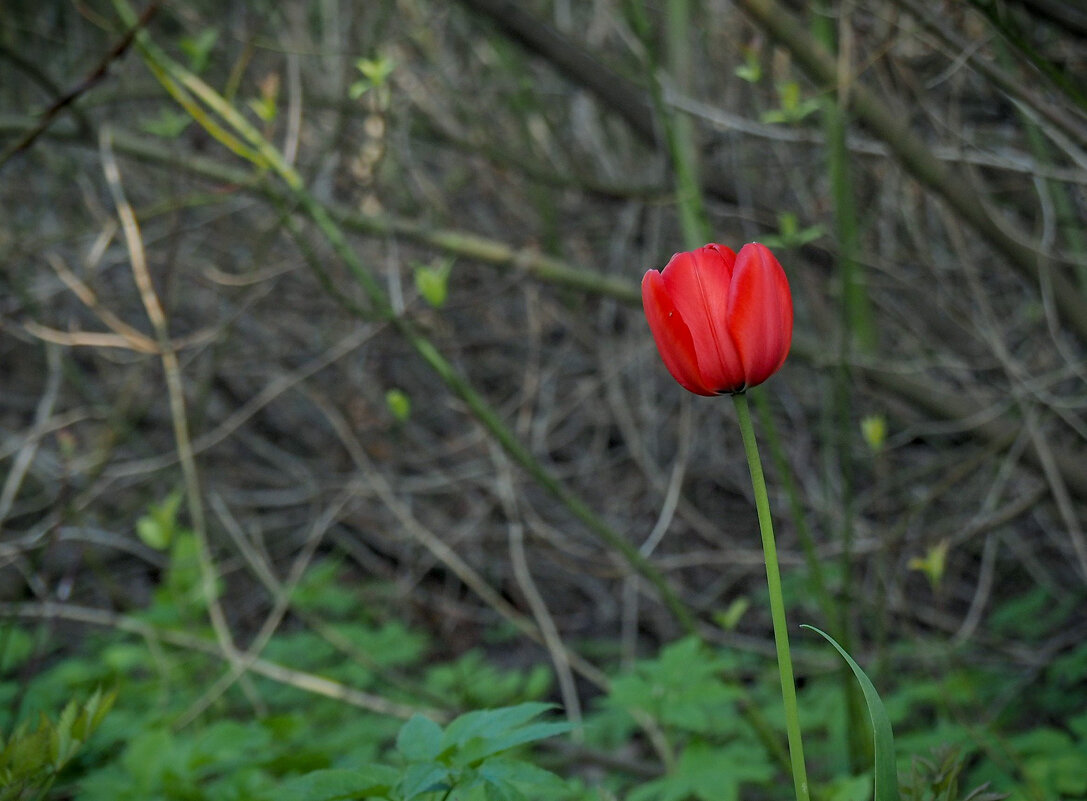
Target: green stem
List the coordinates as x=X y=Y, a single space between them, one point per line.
x=777 y=602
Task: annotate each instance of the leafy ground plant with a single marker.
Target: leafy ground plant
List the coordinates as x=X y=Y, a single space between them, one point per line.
x=470 y=757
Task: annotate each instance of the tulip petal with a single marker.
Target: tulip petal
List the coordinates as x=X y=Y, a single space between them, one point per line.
x=698 y=283
x=671 y=334
x=760 y=313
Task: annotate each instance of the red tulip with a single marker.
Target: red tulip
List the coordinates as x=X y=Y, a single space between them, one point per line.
x=722 y=322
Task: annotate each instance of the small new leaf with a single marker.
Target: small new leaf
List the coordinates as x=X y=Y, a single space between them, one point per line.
x=399 y=404
x=433 y=282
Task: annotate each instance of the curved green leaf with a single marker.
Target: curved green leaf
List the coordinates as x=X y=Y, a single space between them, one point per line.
x=886 y=775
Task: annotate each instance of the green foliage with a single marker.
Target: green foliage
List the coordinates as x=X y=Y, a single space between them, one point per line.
x=31 y=758
x=751 y=69
x=790 y=235
x=307 y=747
x=158 y=526
x=197 y=49
x=937 y=779
x=685 y=690
x=471 y=681
x=399 y=404
x=470 y=754
x=793 y=108
x=374 y=74
x=709 y=773
x=729 y=617
x=432 y=281
x=682 y=689
x=169 y=124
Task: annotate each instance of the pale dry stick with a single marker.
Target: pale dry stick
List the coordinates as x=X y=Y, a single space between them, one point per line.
x=29 y=449
x=84 y=339
x=97 y=251
x=175 y=393
x=100 y=339
x=294 y=108
x=629 y=616
x=556 y=648
x=299 y=679
x=257 y=563
x=442 y=552
x=137 y=340
x=275 y=616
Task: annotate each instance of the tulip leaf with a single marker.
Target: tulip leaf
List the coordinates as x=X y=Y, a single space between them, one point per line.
x=886 y=775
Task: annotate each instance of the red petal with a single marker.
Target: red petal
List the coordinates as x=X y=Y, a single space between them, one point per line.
x=671 y=334
x=760 y=312
x=698 y=283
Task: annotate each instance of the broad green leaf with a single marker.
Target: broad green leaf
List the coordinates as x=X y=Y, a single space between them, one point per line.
x=423 y=778
x=709 y=773
x=886 y=775
x=482 y=748
x=516 y=772
x=18 y=645
x=490 y=723
x=339 y=785
x=419 y=739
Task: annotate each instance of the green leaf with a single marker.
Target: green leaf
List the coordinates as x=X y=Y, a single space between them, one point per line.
x=433 y=282
x=709 y=773
x=375 y=70
x=198 y=48
x=419 y=739
x=729 y=618
x=263 y=107
x=518 y=773
x=168 y=124
x=886 y=775
x=490 y=723
x=481 y=749
x=334 y=785
x=423 y=777
x=158 y=526
x=399 y=404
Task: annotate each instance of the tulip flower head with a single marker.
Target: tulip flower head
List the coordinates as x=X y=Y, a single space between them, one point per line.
x=722 y=322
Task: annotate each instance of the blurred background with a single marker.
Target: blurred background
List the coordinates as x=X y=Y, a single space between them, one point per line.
x=399 y=426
